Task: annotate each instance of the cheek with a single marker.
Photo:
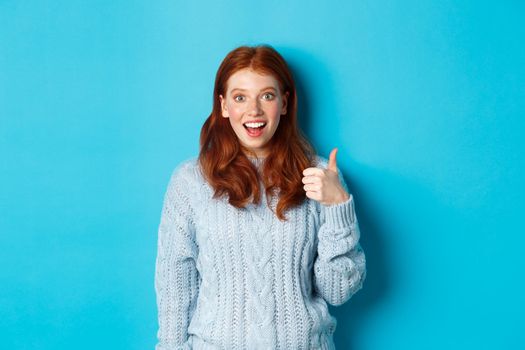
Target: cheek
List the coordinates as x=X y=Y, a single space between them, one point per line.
x=235 y=112
x=273 y=109
x=274 y=113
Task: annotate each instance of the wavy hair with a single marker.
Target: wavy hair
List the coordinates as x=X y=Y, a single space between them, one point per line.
x=222 y=159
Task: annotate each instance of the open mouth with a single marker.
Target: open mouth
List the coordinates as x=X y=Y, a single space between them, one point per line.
x=254 y=128
x=258 y=125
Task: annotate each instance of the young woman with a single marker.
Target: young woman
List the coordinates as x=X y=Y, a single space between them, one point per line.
x=258 y=233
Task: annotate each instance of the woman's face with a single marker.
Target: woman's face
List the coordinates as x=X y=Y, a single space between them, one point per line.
x=254 y=104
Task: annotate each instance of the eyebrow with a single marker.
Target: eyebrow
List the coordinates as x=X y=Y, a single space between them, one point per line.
x=266 y=88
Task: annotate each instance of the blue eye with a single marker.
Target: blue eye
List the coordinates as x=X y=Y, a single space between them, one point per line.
x=236 y=98
x=268 y=96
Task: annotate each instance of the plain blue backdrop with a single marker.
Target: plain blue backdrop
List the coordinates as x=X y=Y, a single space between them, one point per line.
x=100 y=100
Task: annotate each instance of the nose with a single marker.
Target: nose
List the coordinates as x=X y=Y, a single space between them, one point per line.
x=254 y=107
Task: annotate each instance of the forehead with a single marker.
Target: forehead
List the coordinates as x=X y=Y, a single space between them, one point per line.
x=248 y=79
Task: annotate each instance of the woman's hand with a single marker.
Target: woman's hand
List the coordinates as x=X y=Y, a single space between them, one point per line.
x=323 y=185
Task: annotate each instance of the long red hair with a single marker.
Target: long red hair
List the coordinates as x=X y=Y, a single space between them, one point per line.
x=222 y=160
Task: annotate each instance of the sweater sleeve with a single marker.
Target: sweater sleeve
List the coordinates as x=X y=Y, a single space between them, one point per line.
x=176 y=277
x=340 y=265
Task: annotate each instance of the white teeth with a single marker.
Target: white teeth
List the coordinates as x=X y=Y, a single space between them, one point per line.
x=254 y=125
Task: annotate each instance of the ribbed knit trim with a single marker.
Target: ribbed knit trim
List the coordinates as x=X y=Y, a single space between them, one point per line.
x=340 y=215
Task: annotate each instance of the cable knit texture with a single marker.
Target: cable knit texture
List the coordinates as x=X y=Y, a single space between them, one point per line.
x=229 y=278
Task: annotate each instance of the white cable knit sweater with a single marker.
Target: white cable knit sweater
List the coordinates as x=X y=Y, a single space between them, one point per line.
x=229 y=278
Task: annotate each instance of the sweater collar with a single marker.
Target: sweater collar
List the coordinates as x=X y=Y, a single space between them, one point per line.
x=256 y=161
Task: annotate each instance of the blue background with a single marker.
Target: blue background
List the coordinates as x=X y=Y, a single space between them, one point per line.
x=100 y=100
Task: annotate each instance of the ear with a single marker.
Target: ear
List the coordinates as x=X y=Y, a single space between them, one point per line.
x=224 y=110
x=285 y=103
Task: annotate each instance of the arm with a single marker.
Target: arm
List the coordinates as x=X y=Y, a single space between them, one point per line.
x=176 y=277
x=340 y=265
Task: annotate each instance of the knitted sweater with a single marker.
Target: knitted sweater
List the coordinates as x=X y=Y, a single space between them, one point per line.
x=229 y=278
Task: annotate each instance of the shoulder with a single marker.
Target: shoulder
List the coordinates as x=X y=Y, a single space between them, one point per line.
x=187 y=173
x=186 y=167
x=320 y=161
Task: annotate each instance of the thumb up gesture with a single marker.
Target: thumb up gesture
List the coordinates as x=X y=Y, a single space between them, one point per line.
x=323 y=185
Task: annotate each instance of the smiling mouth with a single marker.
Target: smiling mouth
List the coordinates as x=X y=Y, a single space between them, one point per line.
x=254 y=129
x=254 y=126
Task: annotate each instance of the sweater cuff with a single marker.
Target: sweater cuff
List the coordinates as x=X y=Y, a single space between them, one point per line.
x=340 y=215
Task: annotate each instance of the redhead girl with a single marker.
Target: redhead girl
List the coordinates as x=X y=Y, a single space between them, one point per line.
x=258 y=233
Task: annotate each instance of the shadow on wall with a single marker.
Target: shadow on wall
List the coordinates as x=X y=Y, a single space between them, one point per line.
x=380 y=222
x=351 y=316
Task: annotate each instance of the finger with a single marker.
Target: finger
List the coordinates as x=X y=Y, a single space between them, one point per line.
x=311 y=180
x=312 y=171
x=312 y=187
x=313 y=195
x=332 y=163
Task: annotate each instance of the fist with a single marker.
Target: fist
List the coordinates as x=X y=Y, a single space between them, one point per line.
x=323 y=185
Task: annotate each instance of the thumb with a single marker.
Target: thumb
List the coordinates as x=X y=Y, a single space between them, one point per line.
x=332 y=164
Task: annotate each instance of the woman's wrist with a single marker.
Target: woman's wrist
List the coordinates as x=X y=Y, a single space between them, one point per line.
x=339 y=199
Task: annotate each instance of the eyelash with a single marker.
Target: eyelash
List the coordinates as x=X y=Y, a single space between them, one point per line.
x=266 y=93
